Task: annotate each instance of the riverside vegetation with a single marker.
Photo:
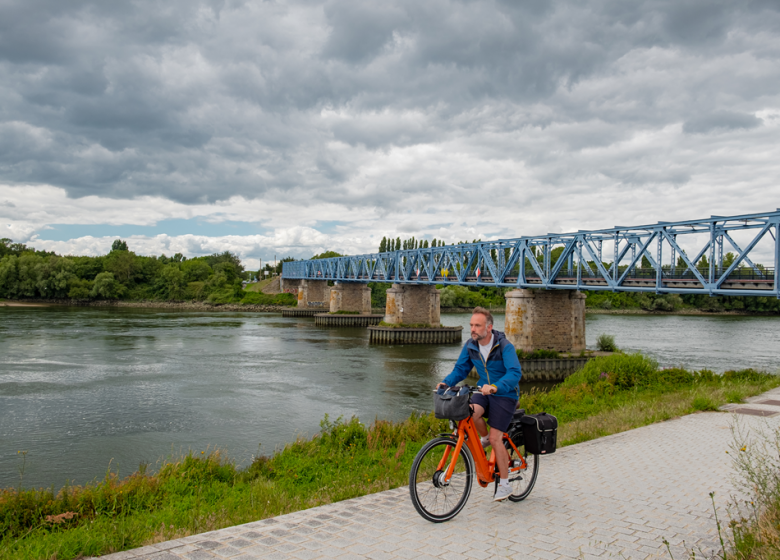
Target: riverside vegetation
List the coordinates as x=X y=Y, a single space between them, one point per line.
x=752 y=531
x=121 y=274
x=206 y=490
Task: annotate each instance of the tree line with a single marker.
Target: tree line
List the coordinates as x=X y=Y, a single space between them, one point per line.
x=121 y=274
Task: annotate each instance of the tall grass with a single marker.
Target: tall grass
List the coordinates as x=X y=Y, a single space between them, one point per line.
x=206 y=491
x=753 y=528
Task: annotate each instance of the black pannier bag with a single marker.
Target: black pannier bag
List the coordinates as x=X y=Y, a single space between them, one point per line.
x=515 y=431
x=540 y=433
x=451 y=403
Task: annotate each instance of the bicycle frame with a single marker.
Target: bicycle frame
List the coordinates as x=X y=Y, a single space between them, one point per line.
x=467 y=433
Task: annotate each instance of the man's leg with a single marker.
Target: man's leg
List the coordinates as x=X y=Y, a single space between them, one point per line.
x=502 y=457
x=479 y=422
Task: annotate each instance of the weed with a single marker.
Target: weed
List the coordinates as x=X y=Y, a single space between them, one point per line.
x=606 y=343
x=703 y=403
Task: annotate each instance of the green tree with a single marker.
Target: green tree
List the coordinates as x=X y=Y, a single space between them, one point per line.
x=28 y=267
x=327 y=255
x=172 y=284
x=227 y=256
x=728 y=259
x=80 y=289
x=122 y=265
x=9 y=277
x=55 y=277
x=383 y=245
x=119 y=245
x=196 y=270
x=106 y=287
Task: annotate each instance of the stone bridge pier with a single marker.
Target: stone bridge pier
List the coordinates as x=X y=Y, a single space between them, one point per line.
x=350 y=296
x=411 y=304
x=546 y=319
x=314 y=294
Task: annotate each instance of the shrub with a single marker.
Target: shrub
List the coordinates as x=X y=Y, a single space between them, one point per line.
x=624 y=371
x=259 y=298
x=667 y=302
x=540 y=354
x=674 y=377
x=606 y=343
x=744 y=375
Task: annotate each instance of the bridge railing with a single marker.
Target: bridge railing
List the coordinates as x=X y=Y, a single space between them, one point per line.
x=643 y=258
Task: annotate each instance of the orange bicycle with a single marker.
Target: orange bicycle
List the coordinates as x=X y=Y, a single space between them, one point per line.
x=444 y=469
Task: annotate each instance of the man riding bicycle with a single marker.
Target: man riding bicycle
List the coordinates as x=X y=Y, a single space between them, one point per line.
x=495 y=360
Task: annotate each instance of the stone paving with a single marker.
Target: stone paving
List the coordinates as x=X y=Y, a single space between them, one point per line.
x=615 y=497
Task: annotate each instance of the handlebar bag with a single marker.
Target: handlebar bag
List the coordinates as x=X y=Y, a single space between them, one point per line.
x=451 y=404
x=540 y=433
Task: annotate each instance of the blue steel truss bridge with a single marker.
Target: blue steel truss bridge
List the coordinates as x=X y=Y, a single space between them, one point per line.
x=720 y=255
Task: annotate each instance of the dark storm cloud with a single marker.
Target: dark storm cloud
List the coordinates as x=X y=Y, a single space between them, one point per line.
x=200 y=101
x=720 y=121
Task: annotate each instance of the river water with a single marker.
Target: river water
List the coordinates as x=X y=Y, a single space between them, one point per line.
x=85 y=388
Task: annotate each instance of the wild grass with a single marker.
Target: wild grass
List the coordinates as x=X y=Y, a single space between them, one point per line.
x=259 y=298
x=752 y=530
x=206 y=491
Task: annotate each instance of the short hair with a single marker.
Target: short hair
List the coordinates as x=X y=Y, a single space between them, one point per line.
x=482 y=311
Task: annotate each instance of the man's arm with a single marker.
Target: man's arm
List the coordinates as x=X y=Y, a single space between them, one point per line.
x=461 y=370
x=512 y=365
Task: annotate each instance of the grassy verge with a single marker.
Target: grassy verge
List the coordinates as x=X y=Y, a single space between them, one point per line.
x=202 y=492
x=258 y=286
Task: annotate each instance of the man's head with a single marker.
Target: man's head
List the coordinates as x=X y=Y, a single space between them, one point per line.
x=481 y=324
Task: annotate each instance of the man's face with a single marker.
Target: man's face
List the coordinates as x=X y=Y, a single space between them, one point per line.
x=480 y=330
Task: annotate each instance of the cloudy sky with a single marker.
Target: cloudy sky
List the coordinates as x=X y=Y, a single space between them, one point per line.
x=287 y=128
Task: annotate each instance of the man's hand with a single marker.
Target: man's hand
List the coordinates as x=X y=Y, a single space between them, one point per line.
x=440 y=385
x=488 y=390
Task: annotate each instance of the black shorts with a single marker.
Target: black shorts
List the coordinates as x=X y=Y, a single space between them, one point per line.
x=498 y=410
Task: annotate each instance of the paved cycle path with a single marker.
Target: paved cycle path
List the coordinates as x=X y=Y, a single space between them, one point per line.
x=615 y=497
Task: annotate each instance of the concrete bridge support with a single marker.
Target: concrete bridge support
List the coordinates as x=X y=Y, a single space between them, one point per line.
x=545 y=319
x=350 y=296
x=314 y=293
x=411 y=304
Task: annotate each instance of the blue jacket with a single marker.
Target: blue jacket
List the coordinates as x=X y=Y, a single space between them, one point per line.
x=501 y=369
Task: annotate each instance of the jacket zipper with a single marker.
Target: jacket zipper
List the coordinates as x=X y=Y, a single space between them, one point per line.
x=484 y=363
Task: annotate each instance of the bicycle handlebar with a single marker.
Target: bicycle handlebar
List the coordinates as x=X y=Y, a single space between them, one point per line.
x=471 y=389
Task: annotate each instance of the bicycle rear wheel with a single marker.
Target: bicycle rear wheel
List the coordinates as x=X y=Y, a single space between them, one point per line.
x=433 y=497
x=522 y=480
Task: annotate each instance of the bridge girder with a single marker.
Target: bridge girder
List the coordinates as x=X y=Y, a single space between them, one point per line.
x=529 y=262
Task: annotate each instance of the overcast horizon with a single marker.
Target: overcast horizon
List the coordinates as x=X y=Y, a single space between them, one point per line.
x=290 y=128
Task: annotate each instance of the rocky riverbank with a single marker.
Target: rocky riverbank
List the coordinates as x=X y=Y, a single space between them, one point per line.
x=181 y=305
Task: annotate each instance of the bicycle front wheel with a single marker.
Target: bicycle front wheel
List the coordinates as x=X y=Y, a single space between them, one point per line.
x=522 y=480
x=435 y=498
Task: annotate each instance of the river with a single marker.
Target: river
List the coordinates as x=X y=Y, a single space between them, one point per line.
x=85 y=388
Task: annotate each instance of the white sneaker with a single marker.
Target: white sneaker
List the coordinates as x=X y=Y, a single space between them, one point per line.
x=485 y=442
x=502 y=493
